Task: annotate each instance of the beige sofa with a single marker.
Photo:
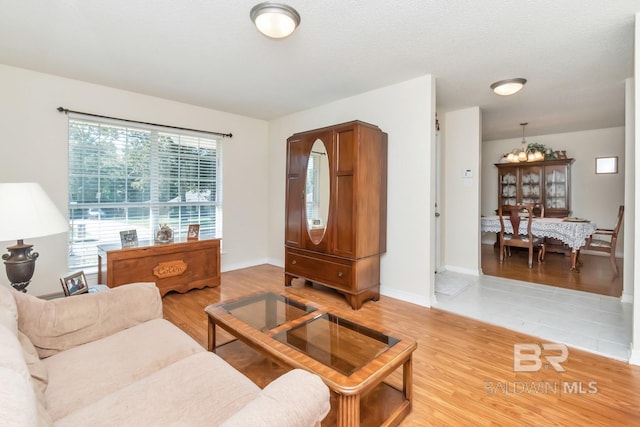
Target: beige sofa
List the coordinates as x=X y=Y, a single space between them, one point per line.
x=110 y=359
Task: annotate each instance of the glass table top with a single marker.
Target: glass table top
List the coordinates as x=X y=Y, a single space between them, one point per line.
x=338 y=343
x=267 y=311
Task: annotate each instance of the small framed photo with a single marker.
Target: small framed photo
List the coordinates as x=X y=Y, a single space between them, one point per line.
x=194 y=232
x=606 y=165
x=129 y=238
x=74 y=284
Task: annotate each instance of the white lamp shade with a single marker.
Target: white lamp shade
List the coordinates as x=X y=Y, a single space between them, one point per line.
x=26 y=212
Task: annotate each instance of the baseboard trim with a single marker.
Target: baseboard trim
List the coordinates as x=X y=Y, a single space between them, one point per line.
x=278 y=262
x=461 y=270
x=410 y=297
x=634 y=356
x=628 y=298
x=240 y=265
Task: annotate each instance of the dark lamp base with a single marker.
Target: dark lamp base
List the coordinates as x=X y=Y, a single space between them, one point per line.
x=20 y=263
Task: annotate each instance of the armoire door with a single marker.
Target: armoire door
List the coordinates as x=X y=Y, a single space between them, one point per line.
x=344 y=238
x=297 y=155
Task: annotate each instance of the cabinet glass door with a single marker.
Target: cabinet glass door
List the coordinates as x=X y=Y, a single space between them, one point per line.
x=508 y=187
x=557 y=187
x=531 y=185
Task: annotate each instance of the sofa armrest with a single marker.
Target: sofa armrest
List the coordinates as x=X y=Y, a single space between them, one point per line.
x=60 y=324
x=297 y=398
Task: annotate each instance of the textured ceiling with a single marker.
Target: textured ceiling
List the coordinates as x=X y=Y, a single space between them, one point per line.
x=575 y=54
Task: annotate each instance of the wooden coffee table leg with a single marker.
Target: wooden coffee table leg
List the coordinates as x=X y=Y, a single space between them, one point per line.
x=211 y=336
x=348 y=410
x=407 y=379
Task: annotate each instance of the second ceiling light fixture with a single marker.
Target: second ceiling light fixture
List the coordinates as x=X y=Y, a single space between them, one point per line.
x=275 y=20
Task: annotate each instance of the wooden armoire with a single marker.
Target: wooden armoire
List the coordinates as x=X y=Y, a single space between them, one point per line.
x=336 y=208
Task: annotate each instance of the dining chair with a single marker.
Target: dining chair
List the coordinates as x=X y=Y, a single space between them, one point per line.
x=538 y=210
x=516 y=214
x=606 y=243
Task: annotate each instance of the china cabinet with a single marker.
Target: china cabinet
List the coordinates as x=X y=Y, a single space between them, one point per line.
x=546 y=183
x=336 y=194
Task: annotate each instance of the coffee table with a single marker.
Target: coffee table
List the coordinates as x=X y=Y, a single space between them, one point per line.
x=352 y=359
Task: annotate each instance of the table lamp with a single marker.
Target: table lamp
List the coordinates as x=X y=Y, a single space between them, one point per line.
x=26 y=212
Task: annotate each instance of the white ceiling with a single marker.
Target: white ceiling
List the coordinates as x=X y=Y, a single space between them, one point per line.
x=576 y=54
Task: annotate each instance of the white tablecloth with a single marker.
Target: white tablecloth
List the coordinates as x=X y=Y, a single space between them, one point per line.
x=574 y=234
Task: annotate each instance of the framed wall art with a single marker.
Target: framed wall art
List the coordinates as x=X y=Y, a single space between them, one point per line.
x=606 y=165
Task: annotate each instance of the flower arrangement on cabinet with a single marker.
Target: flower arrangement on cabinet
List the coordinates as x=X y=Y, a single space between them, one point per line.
x=534 y=152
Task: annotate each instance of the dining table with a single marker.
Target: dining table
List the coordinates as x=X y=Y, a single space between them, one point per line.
x=573 y=232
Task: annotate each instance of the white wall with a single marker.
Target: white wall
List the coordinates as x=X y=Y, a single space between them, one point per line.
x=406 y=111
x=634 y=356
x=34 y=148
x=629 y=193
x=461 y=195
x=595 y=197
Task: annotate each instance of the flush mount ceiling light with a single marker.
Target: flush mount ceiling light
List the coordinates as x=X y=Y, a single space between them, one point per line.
x=508 y=87
x=275 y=20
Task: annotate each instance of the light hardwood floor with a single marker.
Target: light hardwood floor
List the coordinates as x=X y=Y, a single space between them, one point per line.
x=463 y=369
x=595 y=274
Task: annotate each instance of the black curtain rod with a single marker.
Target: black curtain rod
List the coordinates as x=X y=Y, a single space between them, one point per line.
x=66 y=111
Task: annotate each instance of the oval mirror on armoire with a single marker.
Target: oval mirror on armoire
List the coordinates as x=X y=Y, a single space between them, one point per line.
x=317 y=191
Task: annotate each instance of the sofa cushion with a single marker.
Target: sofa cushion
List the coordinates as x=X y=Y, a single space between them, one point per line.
x=87 y=373
x=39 y=378
x=18 y=406
x=201 y=390
x=36 y=367
x=63 y=323
x=8 y=309
x=300 y=394
x=18 y=402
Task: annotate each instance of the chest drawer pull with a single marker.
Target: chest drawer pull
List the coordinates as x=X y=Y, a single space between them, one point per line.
x=294 y=261
x=340 y=274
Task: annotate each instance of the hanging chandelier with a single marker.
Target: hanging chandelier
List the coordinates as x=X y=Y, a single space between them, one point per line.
x=525 y=153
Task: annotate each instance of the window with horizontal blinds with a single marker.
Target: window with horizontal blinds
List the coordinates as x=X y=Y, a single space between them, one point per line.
x=136 y=177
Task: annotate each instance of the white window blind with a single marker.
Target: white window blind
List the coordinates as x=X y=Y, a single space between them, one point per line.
x=136 y=177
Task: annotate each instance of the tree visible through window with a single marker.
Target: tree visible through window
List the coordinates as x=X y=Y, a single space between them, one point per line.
x=124 y=177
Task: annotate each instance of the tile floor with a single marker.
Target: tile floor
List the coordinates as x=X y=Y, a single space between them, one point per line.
x=595 y=323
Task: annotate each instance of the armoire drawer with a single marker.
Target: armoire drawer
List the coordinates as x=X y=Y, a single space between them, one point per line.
x=321 y=270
